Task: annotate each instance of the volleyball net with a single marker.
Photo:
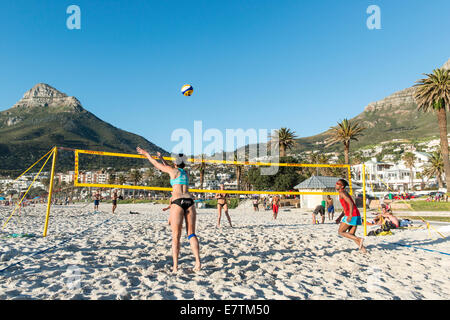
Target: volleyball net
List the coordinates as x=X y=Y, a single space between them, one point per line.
x=85 y=160
x=79 y=183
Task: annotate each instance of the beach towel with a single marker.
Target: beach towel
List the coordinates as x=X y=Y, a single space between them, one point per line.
x=20 y=235
x=405 y=223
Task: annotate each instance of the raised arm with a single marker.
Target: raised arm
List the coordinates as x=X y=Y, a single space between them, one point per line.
x=162 y=159
x=156 y=164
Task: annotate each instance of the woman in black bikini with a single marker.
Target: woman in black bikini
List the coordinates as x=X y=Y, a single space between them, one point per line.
x=184 y=207
x=222 y=203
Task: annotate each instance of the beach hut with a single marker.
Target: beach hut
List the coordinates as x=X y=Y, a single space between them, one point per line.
x=318 y=184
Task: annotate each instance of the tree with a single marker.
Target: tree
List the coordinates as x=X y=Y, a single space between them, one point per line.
x=112 y=178
x=319 y=158
x=284 y=180
x=433 y=94
x=122 y=180
x=344 y=132
x=238 y=171
x=135 y=177
x=409 y=158
x=201 y=167
x=285 y=138
x=435 y=167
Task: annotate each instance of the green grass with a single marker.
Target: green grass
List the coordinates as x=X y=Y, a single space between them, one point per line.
x=422 y=205
x=427 y=218
x=232 y=203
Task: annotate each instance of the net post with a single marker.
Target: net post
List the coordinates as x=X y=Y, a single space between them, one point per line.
x=49 y=200
x=364 y=198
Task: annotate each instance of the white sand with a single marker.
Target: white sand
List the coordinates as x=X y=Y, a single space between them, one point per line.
x=128 y=256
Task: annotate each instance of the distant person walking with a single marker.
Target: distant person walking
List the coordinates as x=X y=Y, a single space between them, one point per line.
x=330 y=208
x=255 y=204
x=114 y=201
x=222 y=203
x=275 y=206
x=351 y=217
x=97 y=198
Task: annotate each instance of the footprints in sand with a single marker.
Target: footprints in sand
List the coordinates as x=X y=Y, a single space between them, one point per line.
x=258 y=259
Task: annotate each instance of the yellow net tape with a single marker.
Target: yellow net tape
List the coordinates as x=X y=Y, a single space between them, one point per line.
x=32 y=166
x=136 y=156
x=20 y=202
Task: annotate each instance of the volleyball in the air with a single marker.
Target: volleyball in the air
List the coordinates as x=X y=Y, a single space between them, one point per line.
x=187 y=90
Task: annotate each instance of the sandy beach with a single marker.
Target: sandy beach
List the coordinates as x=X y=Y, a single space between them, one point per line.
x=90 y=255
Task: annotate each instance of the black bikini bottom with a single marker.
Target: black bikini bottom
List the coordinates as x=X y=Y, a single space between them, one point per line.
x=184 y=203
x=221 y=204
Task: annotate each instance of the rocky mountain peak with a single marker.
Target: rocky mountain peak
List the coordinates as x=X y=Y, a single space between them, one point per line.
x=44 y=95
x=43 y=90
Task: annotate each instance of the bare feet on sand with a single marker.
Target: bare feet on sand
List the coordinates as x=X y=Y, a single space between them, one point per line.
x=361 y=247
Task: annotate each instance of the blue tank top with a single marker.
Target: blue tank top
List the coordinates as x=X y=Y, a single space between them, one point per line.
x=181 y=179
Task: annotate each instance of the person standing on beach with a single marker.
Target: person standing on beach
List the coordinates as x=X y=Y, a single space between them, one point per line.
x=96 y=200
x=222 y=203
x=351 y=218
x=255 y=204
x=114 y=201
x=330 y=208
x=181 y=206
x=275 y=206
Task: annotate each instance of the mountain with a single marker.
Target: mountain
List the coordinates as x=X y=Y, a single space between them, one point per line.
x=46 y=117
x=394 y=117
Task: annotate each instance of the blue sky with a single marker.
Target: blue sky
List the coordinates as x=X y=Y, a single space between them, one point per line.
x=253 y=63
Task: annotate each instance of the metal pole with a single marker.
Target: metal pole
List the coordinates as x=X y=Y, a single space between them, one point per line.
x=364 y=198
x=49 y=201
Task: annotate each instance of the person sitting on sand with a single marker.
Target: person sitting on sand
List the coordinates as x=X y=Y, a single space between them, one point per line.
x=181 y=208
x=222 y=203
x=319 y=209
x=380 y=218
x=390 y=221
x=351 y=218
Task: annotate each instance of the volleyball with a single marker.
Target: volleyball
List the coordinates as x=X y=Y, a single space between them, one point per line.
x=187 y=90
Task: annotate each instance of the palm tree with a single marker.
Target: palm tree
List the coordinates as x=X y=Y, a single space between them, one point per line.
x=409 y=158
x=286 y=140
x=122 y=180
x=112 y=178
x=238 y=170
x=433 y=94
x=344 y=132
x=136 y=177
x=319 y=158
x=201 y=167
x=435 y=167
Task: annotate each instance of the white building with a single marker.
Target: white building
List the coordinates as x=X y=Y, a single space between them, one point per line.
x=386 y=175
x=319 y=184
